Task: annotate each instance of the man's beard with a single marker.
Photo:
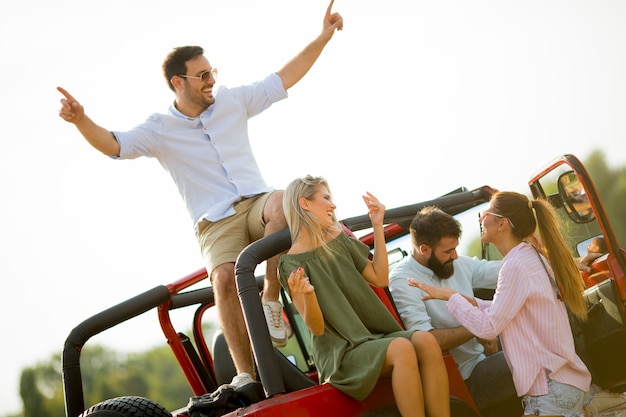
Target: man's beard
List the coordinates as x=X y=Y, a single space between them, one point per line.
x=441 y=270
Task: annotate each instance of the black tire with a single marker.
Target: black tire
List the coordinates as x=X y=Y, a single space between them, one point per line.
x=127 y=407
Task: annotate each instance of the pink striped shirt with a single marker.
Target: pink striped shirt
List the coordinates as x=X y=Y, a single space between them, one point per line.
x=532 y=323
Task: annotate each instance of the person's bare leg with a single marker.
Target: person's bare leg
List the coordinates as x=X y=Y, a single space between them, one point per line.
x=401 y=363
x=231 y=317
x=274 y=221
x=433 y=374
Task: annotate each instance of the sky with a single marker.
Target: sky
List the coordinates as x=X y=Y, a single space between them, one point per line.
x=411 y=100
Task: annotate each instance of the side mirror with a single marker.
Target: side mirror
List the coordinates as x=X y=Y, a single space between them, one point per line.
x=574 y=198
x=595 y=243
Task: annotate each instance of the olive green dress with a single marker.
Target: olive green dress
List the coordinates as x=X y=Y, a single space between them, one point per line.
x=357 y=326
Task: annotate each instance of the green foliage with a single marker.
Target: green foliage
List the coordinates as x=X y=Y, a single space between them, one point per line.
x=154 y=374
x=611 y=187
x=475 y=248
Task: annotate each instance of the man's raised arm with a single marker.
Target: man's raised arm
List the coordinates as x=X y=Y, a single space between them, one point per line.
x=98 y=137
x=295 y=69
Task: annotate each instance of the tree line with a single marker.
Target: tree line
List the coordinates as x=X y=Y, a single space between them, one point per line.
x=106 y=373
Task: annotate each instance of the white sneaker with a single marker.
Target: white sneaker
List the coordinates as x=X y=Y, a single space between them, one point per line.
x=273 y=317
x=240 y=380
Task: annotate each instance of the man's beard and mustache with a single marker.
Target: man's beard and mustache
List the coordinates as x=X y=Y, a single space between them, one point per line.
x=441 y=270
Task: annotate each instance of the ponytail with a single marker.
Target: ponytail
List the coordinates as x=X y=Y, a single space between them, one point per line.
x=565 y=270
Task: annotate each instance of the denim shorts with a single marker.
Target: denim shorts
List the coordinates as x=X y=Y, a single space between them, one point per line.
x=561 y=400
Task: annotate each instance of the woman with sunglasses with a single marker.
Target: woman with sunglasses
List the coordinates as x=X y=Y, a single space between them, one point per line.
x=529 y=309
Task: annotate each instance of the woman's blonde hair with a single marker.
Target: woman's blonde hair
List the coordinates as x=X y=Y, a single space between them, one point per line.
x=524 y=221
x=299 y=219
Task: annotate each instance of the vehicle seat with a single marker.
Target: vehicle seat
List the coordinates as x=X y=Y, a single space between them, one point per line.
x=601 y=340
x=224 y=368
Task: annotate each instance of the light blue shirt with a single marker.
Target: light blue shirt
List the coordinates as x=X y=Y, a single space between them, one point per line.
x=209 y=157
x=416 y=314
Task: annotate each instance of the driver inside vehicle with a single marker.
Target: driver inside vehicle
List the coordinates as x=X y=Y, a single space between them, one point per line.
x=595 y=249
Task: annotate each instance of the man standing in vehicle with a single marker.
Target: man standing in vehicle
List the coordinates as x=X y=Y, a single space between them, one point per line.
x=203 y=143
x=435 y=236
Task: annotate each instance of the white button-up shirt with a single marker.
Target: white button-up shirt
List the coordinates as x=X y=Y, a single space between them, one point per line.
x=209 y=157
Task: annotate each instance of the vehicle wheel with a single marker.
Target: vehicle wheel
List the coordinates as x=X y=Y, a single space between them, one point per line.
x=127 y=407
x=459 y=408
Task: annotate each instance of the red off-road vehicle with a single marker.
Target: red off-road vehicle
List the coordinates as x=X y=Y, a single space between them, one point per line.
x=288 y=379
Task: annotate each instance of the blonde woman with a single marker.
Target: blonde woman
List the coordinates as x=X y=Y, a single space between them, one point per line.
x=355 y=339
x=529 y=308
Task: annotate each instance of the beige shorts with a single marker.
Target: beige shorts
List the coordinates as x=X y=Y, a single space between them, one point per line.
x=222 y=241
